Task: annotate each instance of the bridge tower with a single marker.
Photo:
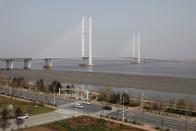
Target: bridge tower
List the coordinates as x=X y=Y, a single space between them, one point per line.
x=87 y=61
x=136 y=48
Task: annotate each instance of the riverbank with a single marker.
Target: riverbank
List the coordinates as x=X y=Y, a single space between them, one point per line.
x=147 y=82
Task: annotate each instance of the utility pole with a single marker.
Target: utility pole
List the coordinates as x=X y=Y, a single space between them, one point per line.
x=59 y=91
x=123 y=109
x=141 y=105
x=36 y=88
x=54 y=100
x=75 y=105
x=10 y=90
x=186 y=122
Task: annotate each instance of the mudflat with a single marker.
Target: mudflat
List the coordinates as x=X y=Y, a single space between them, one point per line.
x=148 y=82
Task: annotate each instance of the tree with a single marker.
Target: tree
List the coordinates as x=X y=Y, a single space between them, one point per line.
x=19 y=122
x=118 y=98
x=181 y=104
x=46 y=95
x=125 y=96
x=104 y=94
x=40 y=85
x=18 y=82
x=18 y=112
x=113 y=98
x=54 y=86
x=68 y=89
x=171 y=102
x=4 y=120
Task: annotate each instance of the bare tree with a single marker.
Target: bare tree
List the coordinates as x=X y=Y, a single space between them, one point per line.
x=18 y=112
x=181 y=104
x=4 y=120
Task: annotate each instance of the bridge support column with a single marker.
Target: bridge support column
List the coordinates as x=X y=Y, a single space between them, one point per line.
x=9 y=64
x=48 y=63
x=27 y=64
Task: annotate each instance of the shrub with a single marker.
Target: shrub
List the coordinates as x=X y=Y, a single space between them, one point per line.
x=181 y=111
x=134 y=122
x=126 y=120
x=157 y=127
x=134 y=103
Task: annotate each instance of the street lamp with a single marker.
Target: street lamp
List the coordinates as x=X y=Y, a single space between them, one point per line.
x=141 y=105
x=59 y=90
x=123 y=115
x=35 y=83
x=11 y=79
x=76 y=104
x=54 y=99
x=123 y=109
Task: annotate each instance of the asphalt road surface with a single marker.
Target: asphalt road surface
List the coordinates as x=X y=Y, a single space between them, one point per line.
x=34 y=96
x=43 y=119
x=156 y=120
x=92 y=108
x=166 y=122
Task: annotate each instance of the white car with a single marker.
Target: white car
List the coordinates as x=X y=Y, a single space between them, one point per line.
x=25 y=116
x=87 y=103
x=79 y=106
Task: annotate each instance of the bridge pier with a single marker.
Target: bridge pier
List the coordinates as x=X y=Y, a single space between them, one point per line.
x=27 y=64
x=48 y=63
x=9 y=64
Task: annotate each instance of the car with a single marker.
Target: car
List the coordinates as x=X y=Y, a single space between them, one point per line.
x=25 y=116
x=79 y=106
x=107 y=107
x=88 y=103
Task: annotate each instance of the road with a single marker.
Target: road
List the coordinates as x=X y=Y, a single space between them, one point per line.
x=156 y=120
x=59 y=101
x=68 y=105
x=92 y=108
x=40 y=119
x=24 y=94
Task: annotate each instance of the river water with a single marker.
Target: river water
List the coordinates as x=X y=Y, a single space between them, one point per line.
x=124 y=66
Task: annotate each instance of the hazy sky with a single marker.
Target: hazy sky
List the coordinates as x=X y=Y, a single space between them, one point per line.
x=40 y=28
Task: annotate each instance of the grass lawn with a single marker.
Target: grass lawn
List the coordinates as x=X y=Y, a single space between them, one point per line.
x=83 y=123
x=27 y=107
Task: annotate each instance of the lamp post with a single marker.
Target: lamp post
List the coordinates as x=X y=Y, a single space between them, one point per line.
x=186 y=127
x=54 y=100
x=59 y=90
x=35 y=83
x=75 y=105
x=141 y=105
x=11 y=86
x=123 y=109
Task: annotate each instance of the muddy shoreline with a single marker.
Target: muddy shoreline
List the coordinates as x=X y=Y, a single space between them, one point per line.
x=147 y=82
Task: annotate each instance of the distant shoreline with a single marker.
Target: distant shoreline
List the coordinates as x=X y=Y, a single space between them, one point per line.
x=147 y=82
